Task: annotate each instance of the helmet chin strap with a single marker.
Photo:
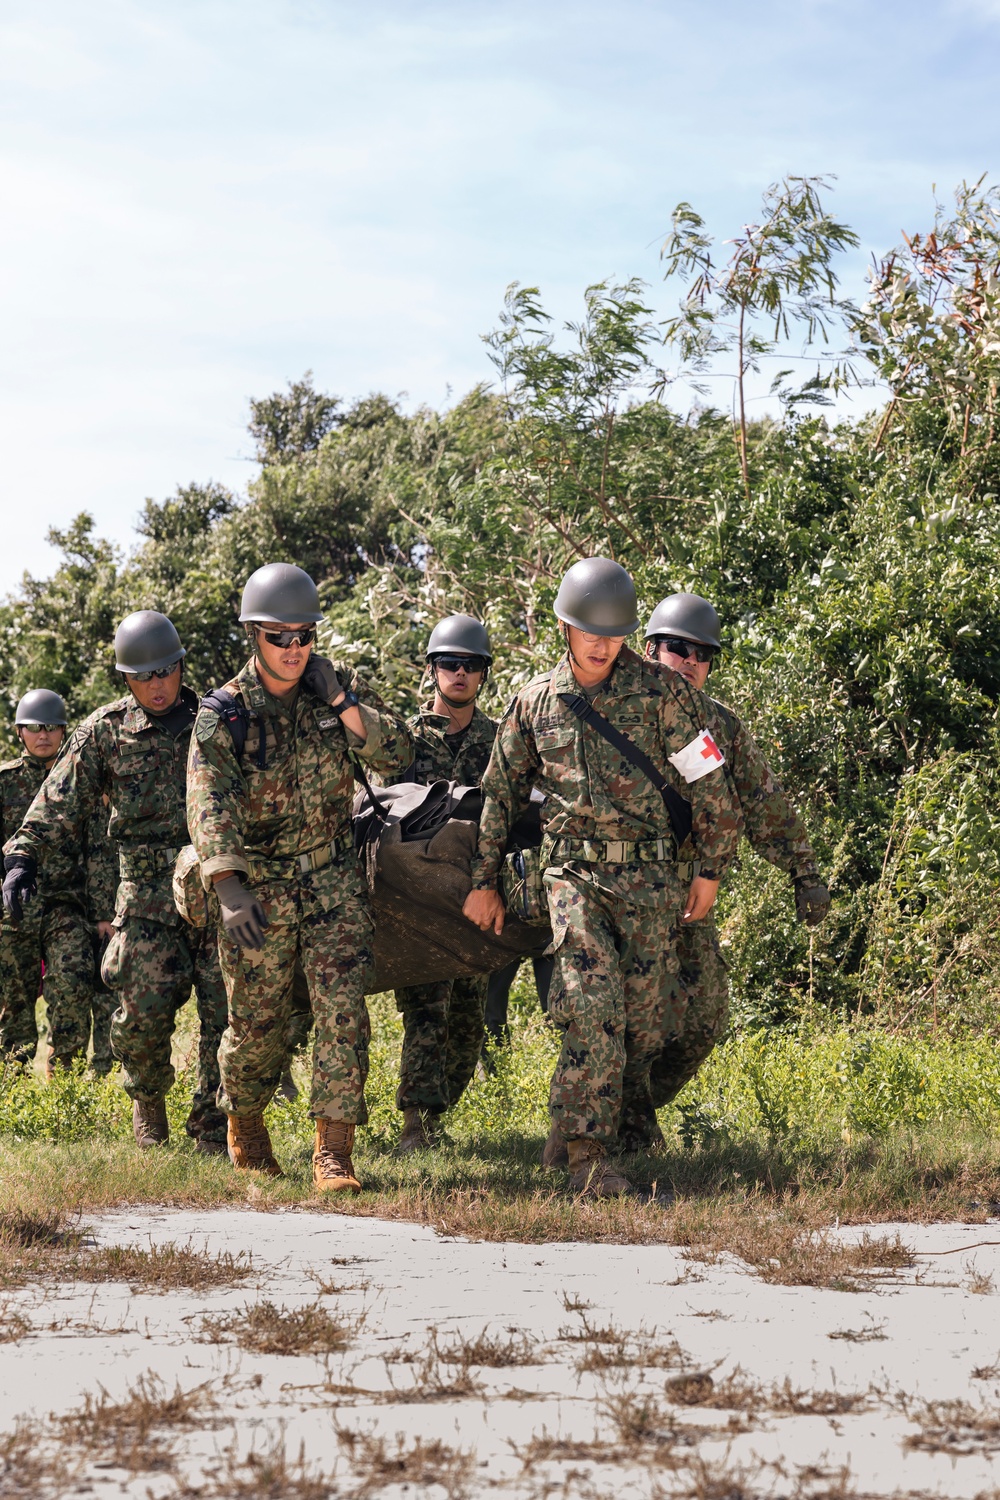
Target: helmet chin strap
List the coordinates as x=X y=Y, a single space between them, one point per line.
x=454 y=702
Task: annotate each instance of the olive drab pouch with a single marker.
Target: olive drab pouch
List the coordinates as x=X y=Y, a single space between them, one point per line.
x=522 y=887
x=198 y=907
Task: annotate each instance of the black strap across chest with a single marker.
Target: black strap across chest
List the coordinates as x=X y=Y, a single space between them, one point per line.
x=678 y=808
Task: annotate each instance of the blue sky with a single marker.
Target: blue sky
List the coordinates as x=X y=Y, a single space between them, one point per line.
x=202 y=200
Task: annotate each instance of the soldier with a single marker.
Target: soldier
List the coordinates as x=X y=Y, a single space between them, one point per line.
x=443 y=1022
x=612 y=823
x=683 y=635
x=270 y=783
x=135 y=751
x=56 y=932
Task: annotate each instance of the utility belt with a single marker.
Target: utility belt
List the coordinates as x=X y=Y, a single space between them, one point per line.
x=145 y=860
x=619 y=852
x=282 y=865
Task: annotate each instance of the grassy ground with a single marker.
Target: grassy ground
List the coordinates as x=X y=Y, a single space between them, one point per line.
x=851 y=1125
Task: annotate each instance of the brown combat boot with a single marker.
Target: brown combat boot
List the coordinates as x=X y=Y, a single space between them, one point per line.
x=333 y=1169
x=149 y=1123
x=590 y=1173
x=555 y=1152
x=420 y=1131
x=250 y=1145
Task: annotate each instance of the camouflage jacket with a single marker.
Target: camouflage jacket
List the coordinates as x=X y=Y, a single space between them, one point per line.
x=768 y=820
x=141 y=765
x=590 y=791
x=101 y=866
x=62 y=879
x=293 y=794
x=436 y=760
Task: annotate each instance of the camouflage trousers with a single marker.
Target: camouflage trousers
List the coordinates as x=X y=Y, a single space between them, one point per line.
x=704 y=982
x=151 y=968
x=614 y=991
x=62 y=940
x=322 y=923
x=443 y=1028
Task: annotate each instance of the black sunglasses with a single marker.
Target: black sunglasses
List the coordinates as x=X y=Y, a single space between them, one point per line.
x=160 y=672
x=284 y=638
x=40 y=728
x=461 y=663
x=677 y=646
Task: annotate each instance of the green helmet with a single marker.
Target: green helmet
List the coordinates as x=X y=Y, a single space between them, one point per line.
x=459 y=635
x=146 y=642
x=598 y=596
x=41 y=706
x=687 y=615
x=280 y=592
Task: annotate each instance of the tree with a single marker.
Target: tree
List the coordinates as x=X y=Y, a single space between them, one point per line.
x=780 y=273
x=289 y=427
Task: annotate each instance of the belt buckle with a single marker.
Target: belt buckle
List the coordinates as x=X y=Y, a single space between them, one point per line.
x=614 y=851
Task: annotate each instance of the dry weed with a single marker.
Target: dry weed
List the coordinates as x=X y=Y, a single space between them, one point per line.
x=266 y=1474
x=132 y=1434
x=436 y=1375
x=33 y=1469
x=162 y=1268
x=782 y=1248
x=492 y=1350
x=263 y=1328
x=955 y=1427
x=869 y=1335
x=978 y=1282
x=416 y=1461
x=740 y=1392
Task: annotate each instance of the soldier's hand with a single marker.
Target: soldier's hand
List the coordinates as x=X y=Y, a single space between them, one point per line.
x=812 y=900
x=105 y=931
x=485 y=909
x=19 y=884
x=320 y=677
x=700 y=898
x=242 y=914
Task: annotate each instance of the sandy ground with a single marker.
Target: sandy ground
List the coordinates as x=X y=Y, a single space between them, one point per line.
x=925 y=1332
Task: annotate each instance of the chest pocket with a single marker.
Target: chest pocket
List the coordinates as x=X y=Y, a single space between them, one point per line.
x=327 y=740
x=137 y=771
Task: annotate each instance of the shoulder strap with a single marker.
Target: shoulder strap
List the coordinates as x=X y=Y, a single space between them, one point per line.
x=678 y=808
x=232 y=713
x=727 y=716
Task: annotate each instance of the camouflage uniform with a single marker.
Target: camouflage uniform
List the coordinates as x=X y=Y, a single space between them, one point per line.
x=154 y=958
x=443 y=1023
x=101 y=871
x=280 y=816
x=54 y=930
x=774 y=830
x=615 y=889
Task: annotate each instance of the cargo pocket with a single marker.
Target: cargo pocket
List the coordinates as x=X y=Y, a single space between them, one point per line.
x=112 y=964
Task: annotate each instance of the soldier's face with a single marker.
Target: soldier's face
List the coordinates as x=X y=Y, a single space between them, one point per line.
x=593 y=655
x=459 y=686
x=159 y=694
x=43 y=744
x=285 y=663
x=694 y=672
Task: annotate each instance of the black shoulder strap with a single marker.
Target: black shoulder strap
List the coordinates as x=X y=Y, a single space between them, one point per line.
x=233 y=714
x=727 y=716
x=678 y=808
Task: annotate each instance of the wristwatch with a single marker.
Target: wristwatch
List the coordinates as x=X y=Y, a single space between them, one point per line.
x=350 y=700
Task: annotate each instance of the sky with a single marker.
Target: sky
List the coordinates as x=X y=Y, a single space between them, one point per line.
x=202 y=199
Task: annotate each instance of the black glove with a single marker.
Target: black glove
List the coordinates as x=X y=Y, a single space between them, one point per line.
x=812 y=899
x=320 y=677
x=242 y=914
x=19 y=884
